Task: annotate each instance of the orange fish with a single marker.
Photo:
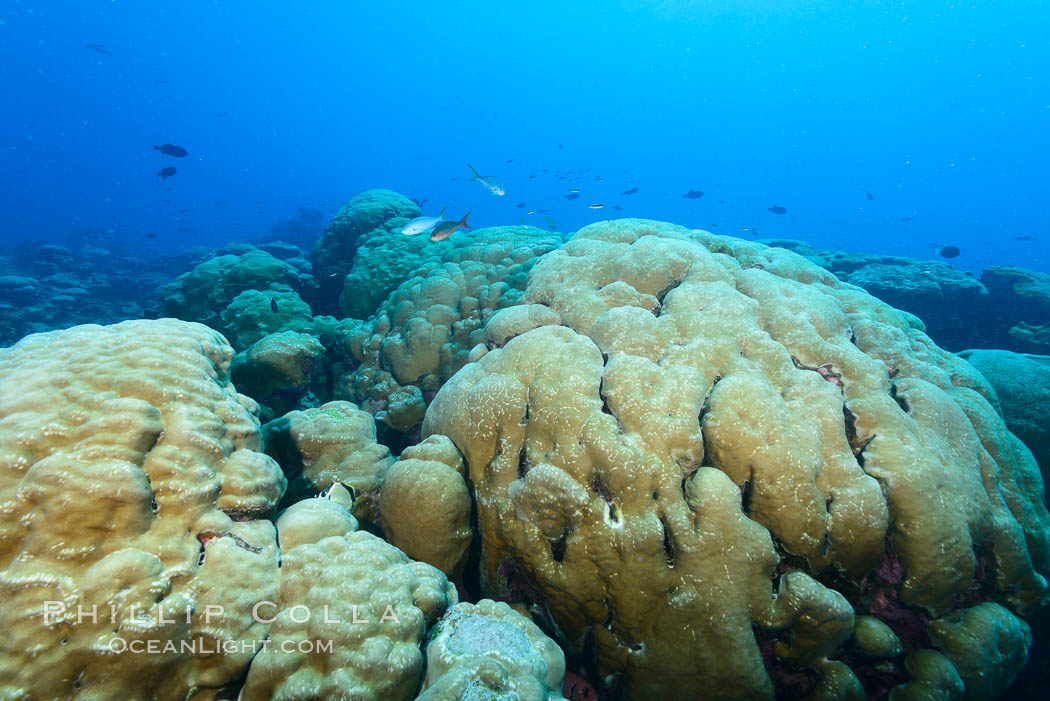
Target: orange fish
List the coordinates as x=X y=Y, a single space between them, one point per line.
x=444 y=230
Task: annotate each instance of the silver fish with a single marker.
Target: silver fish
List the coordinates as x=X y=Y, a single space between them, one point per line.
x=491 y=182
x=421 y=224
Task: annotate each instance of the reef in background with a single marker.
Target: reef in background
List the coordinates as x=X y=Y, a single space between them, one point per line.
x=701 y=466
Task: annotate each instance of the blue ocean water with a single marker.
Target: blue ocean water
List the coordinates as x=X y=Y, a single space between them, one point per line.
x=938 y=109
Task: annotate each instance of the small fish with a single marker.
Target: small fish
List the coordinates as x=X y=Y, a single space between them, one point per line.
x=777 y=209
x=531 y=211
x=218 y=114
x=560 y=146
x=421 y=224
x=573 y=190
x=445 y=229
x=510 y=160
x=171 y=150
x=520 y=205
x=98 y=49
x=151 y=235
x=167 y=201
x=949 y=252
x=219 y=203
x=870 y=196
x=532 y=176
x=595 y=206
x=237 y=223
x=572 y=196
x=693 y=195
x=165 y=173
x=630 y=191
x=1026 y=237
x=273 y=304
x=598 y=178
x=618 y=208
x=183 y=210
x=490 y=182
x=905 y=219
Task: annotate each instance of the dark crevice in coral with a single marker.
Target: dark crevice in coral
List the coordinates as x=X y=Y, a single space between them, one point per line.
x=789 y=682
x=600 y=488
x=605 y=400
x=663 y=293
x=746 y=490
x=857 y=446
x=524 y=464
x=901 y=401
x=469 y=582
x=669 y=549
x=525 y=417
x=558 y=546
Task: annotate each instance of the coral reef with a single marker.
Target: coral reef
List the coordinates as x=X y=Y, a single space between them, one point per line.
x=47 y=287
x=427 y=328
x=723 y=455
x=131 y=487
x=1022 y=385
x=424 y=505
x=372 y=215
x=233 y=293
x=331 y=444
x=946 y=299
x=489 y=650
x=348 y=587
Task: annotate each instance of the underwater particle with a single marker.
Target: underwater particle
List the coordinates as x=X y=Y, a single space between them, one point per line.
x=98 y=49
x=595 y=206
x=693 y=195
x=490 y=182
x=520 y=205
x=905 y=219
x=445 y=229
x=218 y=114
x=572 y=196
x=949 y=252
x=165 y=173
x=870 y=196
x=171 y=150
x=160 y=81
x=273 y=304
x=630 y=191
x=777 y=209
x=421 y=224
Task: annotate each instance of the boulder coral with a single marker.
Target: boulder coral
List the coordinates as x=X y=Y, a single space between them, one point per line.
x=211 y=294
x=371 y=215
x=138 y=558
x=425 y=331
x=721 y=455
x=331 y=444
x=131 y=486
x=363 y=598
x=424 y=505
x=490 y=651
